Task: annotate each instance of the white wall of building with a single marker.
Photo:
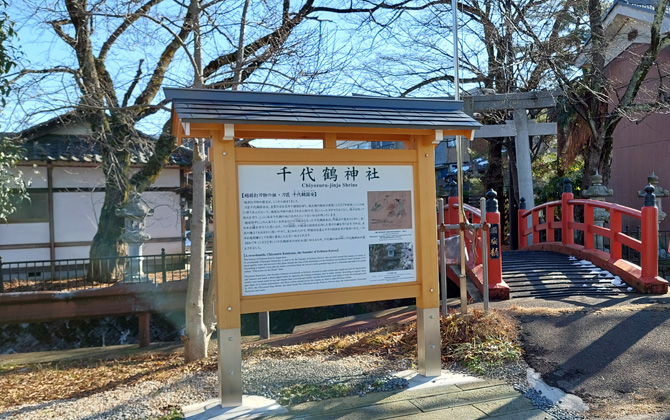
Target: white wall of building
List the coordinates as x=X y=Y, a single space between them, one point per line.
x=23 y=233
x=77 y=177
x=18 y=255
x=76 y=214
x=33 y=176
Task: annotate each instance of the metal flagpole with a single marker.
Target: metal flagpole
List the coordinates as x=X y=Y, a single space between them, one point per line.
x=459 y=162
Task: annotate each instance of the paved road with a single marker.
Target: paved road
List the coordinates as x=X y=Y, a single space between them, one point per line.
x=604 y=350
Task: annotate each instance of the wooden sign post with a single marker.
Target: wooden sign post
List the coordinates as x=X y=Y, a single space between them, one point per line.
x=297 y=228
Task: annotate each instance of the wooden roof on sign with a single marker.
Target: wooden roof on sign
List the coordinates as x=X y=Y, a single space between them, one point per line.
x=259 y=108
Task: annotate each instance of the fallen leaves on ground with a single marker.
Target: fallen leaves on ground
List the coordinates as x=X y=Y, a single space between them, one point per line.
x=34 y=383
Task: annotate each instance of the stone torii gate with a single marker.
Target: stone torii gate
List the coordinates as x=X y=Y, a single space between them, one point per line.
x=521 y=128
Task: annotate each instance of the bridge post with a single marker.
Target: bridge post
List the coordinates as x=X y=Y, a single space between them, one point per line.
x=144 y=330
x=589 y=216
x=568 y=214
x=494 y=268
x=659 y=192
x=523 y=240
x=615 y=243
x=649 y=235
x=452 y=215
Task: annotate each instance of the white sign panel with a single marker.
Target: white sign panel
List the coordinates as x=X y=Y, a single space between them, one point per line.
x=313 y=227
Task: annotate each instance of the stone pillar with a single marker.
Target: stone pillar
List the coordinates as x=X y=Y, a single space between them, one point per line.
x=135 y=214
x=597 y=191
x=659 y=192
x=523 y=168
x=523 y=165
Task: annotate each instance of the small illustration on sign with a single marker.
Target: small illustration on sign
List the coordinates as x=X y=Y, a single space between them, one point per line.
x=391 y=257
x=389 y=210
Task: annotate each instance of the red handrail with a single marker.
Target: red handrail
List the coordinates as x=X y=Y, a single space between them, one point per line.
x=647 y=272
x=498 y=289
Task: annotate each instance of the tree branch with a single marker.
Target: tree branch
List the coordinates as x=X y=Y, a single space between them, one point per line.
x=57 y=25
x=146 y=176
x=178 y=40
x=127 y=21
x=59 y=69
x=134 y=83
x=446 y=77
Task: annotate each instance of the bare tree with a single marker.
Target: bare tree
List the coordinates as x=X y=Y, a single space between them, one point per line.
x=104 y=39
x=198 y=332
x=278 y=45
x=497 y=56
x=12 y=186
x=597 y=101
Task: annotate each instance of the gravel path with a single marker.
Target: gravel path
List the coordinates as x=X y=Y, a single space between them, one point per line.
x=265 y=376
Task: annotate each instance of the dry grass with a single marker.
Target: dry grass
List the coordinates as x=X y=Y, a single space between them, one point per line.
x=471 y=339
x=644 y=401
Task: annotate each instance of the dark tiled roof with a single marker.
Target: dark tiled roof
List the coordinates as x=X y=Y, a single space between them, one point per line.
x=220 y=106
x=69 y=148
x=648 y=5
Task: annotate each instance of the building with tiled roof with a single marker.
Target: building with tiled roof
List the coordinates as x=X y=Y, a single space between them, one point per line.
x=62 y=164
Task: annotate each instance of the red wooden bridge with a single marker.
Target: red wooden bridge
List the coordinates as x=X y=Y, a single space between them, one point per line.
x=591 y=263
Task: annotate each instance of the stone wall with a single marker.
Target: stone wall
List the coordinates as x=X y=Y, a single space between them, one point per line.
x=98 y=332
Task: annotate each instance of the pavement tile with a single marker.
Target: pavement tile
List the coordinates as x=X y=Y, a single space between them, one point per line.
x=346 y=403
x=342 y=404
x=505 y=406
x=464 y=412
x=401 y=409
x=480 y=384
x=424 y=392
x=465 y=397
x=535 y=414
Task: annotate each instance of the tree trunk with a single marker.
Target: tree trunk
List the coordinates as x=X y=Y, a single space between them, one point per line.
x=513 y=175
x=197 y=337
x=597 y=158
x=494 y=174
x=106 y=247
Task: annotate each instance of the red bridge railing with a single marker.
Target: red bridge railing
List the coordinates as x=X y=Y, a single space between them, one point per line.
x=541 y=234
x=498 y=289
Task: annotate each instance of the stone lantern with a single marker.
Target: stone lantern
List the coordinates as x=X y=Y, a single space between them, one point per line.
x=660 y=192
x=135 y=214
x=597 y=191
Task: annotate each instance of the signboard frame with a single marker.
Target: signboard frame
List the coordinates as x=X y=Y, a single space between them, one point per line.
x=231 y=304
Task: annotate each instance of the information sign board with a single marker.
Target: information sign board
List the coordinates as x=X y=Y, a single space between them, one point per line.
x=314 y=227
